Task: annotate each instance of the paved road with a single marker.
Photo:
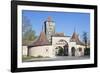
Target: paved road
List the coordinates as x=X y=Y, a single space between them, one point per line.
x=57 y=58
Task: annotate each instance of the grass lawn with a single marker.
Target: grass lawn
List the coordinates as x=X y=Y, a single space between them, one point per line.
x=26 y=57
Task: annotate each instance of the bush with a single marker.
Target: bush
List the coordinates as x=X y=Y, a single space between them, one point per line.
x=87 y=51
x=27 y=57
x=60 y=52
x=39 y=56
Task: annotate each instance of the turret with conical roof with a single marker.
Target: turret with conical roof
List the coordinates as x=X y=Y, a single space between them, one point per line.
x=41 y=40
x=76 y=39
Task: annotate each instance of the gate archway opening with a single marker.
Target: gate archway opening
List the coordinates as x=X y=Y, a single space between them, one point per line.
x=59 y=51
x=62 y=48
x=73 y=51
x=66 y=49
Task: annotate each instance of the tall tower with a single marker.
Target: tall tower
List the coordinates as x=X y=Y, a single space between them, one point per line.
x=49 y=28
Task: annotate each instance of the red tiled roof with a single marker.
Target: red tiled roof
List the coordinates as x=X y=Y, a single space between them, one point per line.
x=49 y=18
x=42 y=40
x=75 y=38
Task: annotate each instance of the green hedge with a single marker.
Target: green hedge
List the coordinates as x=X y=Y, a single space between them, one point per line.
x=87 y=51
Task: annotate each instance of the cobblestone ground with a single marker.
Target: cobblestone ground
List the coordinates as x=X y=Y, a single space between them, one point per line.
x=57 y=58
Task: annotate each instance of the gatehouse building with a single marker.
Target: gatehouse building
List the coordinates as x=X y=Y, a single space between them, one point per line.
x=51 y=43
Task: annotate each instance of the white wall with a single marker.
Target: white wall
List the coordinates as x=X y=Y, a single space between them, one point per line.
x=24 y=50
x=71 y=44
x=45 y=51
x=82 y=52
x=56 y=39
x=5 y=32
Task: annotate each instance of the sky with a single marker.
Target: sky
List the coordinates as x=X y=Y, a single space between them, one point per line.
x=65 y=22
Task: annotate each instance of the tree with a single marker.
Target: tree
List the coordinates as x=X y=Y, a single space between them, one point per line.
x=87 y=51
x=28 y=34
x=26 y=26
x=87 y=43
x=85 y=39
x=60 y=51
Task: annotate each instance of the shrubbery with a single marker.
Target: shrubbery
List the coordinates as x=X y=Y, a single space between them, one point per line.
x=87 y=51
x=39 y=56
x=60 y=52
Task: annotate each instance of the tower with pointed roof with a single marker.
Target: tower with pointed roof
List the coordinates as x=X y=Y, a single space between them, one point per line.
x=75 y=38
x=49 y=28
x=42 y=40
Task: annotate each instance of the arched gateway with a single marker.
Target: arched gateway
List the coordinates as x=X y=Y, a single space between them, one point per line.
x=62 y=48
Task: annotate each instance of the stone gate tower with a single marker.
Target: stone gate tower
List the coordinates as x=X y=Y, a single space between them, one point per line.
x=49 y=28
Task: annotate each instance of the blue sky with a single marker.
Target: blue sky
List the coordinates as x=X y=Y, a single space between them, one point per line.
x=64 y=21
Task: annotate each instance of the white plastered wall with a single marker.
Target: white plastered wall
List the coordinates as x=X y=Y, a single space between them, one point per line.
x=81 y=53
x=45 y=51
x=24 y=50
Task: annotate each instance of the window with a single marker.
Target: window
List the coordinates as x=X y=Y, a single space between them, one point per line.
x=50 y=28
x=80 y=49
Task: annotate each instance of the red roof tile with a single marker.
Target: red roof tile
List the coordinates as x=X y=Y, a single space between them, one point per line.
x=75 y=38
x=42 y=40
